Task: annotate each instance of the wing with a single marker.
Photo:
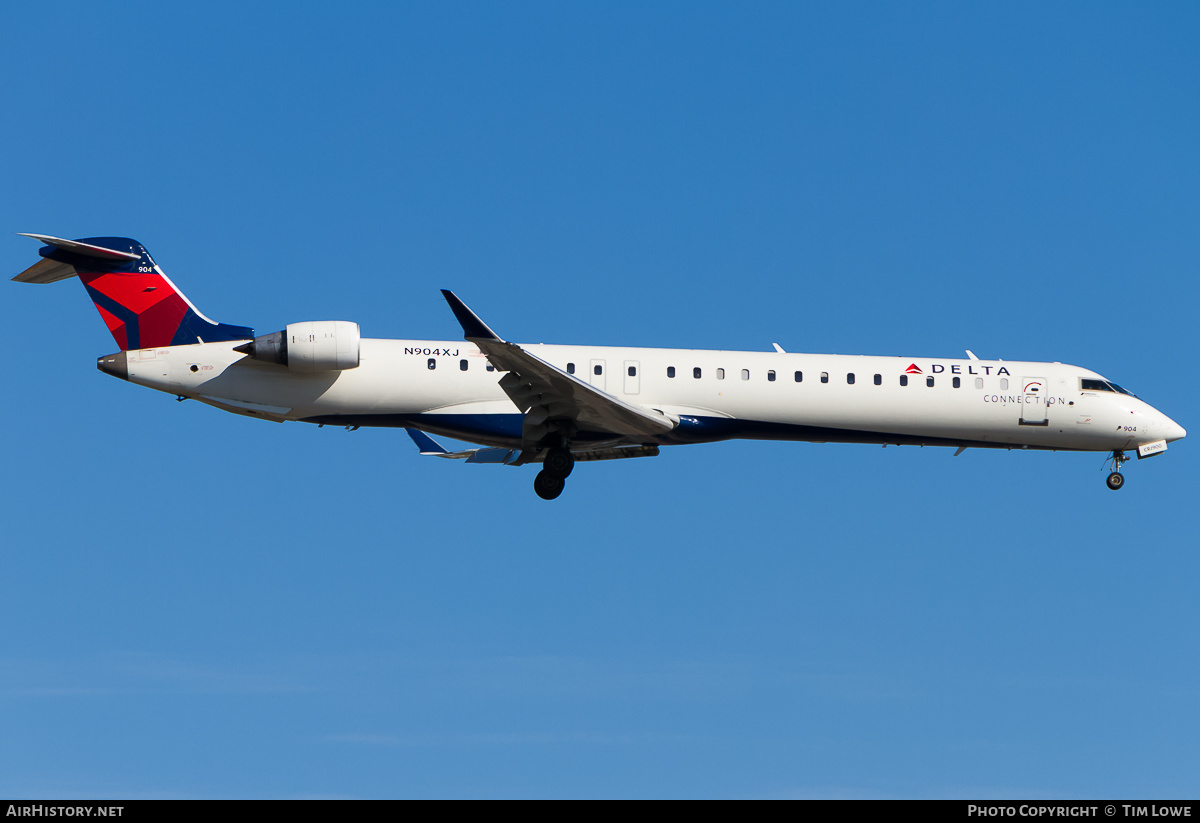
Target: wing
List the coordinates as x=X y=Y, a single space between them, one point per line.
x=513 y=457
x=431 y=448
x=552 y=400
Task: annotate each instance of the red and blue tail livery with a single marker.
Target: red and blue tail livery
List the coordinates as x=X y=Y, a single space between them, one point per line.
x=140 y=305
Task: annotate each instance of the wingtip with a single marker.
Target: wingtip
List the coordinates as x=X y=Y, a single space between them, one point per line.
x=425 y=444
x=472 y=326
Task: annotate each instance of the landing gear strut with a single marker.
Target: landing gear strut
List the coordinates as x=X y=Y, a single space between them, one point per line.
x=556 y=468
x=1116 y=480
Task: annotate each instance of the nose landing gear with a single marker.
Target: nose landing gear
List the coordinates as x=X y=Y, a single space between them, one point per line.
x=1116 y=480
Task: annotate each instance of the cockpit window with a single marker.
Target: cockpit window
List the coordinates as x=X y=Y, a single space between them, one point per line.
x=1087 y=384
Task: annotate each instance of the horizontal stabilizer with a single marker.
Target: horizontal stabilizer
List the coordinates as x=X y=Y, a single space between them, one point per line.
x=51 y=271
x=46 y=271
x=86 y=249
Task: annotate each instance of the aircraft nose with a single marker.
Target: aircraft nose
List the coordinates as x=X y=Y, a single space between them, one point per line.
x=1171 y=430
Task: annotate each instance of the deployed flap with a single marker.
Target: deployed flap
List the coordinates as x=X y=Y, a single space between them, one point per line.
x=546 y=393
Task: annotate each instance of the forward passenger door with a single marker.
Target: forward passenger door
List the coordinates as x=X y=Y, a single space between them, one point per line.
x=1033 y=401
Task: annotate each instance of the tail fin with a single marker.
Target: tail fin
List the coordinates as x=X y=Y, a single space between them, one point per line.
x=141 y=307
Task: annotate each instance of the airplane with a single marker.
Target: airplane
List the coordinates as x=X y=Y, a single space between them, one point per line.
x=558 y=405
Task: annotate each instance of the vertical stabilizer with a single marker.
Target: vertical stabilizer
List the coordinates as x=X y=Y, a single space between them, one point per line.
x=140 y=305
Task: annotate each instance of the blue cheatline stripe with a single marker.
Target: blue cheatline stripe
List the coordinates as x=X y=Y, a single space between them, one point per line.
x=504 y=430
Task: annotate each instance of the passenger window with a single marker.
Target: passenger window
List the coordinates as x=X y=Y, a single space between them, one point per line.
x=799 y=377
x=771 y=376
x=432 y=364
x=720 y=374
x=879 y=380
x=929 y=381
x=670 y=371
x=1003 y=384
x=904 y=380
x=490 y=367
x=598 y=370
x=979 y=382
x=462 y=365
x=745 y=374
x=956 y=382
x=633 y=371
x=570 y=368
x=824 y=377
x=696 y=372
x=850 y=379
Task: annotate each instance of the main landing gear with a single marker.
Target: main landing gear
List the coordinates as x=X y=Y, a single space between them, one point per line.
x=1116 y=480
x=552 y=479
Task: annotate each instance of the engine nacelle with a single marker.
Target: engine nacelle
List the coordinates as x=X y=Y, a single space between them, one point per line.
x=318 y=345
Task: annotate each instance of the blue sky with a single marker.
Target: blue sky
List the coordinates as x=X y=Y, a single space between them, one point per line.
x=200 y=605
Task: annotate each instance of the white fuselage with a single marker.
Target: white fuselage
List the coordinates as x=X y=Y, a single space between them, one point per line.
x=447 y=387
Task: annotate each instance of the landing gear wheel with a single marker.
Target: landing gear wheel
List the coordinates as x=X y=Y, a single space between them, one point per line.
x=548 y=485
x=560 y=462
x=1115 y=481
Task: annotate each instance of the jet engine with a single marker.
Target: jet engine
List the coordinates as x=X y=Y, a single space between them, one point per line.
x=317 y=345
